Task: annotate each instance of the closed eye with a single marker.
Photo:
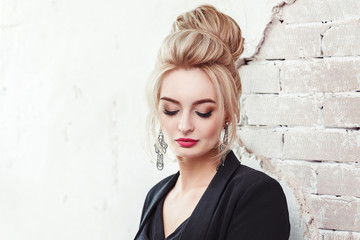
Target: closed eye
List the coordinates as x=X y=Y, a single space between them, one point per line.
x=167 y=112
x=204 y=115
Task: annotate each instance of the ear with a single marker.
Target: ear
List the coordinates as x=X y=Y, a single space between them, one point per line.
x=228 y=122
x=226 y=119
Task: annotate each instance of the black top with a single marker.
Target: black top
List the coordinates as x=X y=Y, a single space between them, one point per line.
x=240 y=203
x=156 y=225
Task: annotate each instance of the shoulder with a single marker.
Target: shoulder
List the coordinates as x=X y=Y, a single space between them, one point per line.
x=250 y=173
x=249 y=179
x=241 y=178
x=248 y=186
x=258 y=200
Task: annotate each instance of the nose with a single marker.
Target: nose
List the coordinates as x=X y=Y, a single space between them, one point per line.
x=185 y=124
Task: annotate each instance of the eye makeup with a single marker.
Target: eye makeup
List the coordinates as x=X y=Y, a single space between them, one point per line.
x=200 y=114
x=167 y=112
x=204 y=115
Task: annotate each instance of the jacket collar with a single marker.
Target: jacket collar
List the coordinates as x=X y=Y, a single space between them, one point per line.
x=201 y=217
x=163 y=191
x=199 y=220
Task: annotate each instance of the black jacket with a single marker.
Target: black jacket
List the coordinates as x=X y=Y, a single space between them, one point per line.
x=240 y=203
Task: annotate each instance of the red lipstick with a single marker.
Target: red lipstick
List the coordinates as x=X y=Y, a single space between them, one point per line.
x=186 y=142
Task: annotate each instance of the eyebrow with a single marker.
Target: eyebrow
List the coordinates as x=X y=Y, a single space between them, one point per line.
x=206 y=100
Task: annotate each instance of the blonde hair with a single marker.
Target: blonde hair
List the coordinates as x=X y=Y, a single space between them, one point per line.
x=207 y=39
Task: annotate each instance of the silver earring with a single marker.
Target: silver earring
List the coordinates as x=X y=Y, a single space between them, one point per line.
x=160 y=155
x=223 y=144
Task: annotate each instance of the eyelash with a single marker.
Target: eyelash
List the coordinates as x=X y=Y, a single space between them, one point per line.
x=167 y=112
x=203 y=115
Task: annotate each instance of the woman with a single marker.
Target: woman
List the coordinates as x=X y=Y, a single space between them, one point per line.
x=194 y=97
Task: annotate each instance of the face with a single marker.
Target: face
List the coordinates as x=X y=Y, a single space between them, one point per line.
x=188 y=113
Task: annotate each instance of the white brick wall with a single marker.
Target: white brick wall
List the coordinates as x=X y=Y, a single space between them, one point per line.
x=317 y=145
x=340 y=213
x=272 y=110
x=341 y=40
x=296 y=41
x=339 y=235
x=309 y=11
x=301 y=111
x=338 y=179
x=256 y=73
x=73 y=160
x=72 y=112
x=342 y=111
x=320 y=75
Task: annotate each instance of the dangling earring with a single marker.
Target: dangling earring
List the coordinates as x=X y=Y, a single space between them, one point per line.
x=160 y=155
x=223 y=145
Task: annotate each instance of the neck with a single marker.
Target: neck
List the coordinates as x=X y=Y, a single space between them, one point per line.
x=196 y=173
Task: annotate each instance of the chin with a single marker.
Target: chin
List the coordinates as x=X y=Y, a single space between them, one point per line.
x=189 y=153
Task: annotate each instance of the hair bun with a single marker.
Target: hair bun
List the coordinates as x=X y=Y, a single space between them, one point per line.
x=207 y=18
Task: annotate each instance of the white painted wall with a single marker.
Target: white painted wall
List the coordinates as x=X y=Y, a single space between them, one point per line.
x=73 y=163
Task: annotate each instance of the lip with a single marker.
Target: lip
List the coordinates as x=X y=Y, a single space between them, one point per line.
x=186 y=142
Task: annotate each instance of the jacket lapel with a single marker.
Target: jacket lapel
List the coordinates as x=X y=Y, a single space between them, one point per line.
x=200 y=219
x=163 y=191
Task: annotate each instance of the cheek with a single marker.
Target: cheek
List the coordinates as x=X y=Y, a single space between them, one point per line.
x=163 y=123
x=166 y=125
x=211 y=130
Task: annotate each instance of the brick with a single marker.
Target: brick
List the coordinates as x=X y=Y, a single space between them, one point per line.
x=260 y=78
x=290 y=42
x=281 y=110
x=337 y=235
x=342 y=40
x=340 y=213
x=320 y=11
x=261 y=141
x=341 y=112
x=338 y=179
x=341 y=146
x=303 y=173
x=325 y=75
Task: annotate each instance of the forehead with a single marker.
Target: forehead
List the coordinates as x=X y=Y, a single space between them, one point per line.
x=188 y=85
